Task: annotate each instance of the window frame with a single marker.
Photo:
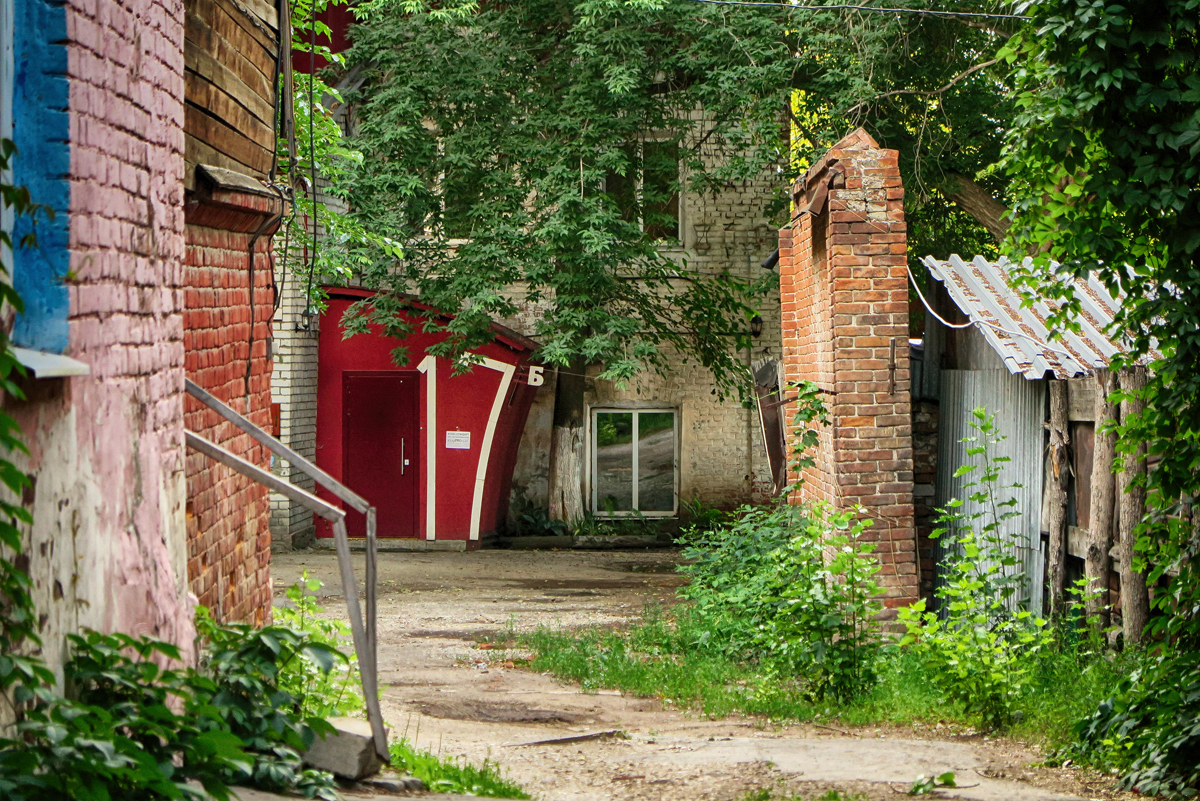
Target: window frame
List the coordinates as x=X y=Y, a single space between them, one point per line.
x=639 y=179
x=594 y=488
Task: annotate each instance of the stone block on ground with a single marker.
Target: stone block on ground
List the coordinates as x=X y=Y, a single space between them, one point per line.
x=348 y=752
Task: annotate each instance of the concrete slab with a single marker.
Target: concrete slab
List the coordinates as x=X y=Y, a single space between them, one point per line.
x=845 y=759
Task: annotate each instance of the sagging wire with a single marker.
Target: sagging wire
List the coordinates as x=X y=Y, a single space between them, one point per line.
x=312 y=161
x=876 y=9
x=972 y=321
x=252 y=255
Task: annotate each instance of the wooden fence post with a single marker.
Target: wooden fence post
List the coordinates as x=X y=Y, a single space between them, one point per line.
x=1100 y=531
x=1135 y=599
x=1057 y=491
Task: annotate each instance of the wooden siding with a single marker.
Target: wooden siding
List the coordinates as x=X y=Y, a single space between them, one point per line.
x=230 y=48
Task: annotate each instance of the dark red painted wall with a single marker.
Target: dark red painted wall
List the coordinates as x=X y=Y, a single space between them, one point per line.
x=464 y=403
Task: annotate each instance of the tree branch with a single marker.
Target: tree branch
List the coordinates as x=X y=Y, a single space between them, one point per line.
x=976 y=201
x=956 y=79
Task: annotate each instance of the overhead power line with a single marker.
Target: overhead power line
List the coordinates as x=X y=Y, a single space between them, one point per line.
x=876 y=9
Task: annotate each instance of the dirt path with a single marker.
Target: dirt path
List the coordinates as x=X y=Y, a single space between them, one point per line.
x=452 y=697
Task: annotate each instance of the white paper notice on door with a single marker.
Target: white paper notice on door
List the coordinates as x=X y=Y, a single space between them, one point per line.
x=458 y=440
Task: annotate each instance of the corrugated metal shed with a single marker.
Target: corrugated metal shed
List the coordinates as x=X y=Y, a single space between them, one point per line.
x=1019 y=333
x=1017 y=404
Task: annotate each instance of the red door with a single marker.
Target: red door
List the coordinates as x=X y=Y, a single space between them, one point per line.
x=379 y=430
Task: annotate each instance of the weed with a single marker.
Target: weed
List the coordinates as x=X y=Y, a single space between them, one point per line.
x=453 y=776
x=325 y=692
x=982 y=652
x=924 y=785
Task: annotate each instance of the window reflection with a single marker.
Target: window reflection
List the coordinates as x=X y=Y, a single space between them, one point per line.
x=614 y=461
x=656 y=461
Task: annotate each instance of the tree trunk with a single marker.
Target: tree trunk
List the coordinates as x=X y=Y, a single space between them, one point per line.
x=1057 y=490
x=567 y=445
x=1100 y=530
x=1135 y=599
x=976 y=201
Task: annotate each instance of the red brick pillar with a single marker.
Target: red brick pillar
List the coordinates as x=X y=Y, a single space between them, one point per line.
x=844 y=293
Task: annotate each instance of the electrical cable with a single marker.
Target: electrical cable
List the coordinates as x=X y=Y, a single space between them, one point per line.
x=312 y=160
x=972 y=321
x=876 y=9
x=268 y=222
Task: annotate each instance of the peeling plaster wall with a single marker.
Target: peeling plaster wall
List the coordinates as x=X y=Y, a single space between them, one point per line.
x=107 y=547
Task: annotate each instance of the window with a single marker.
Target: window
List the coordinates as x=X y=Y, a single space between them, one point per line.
x=634 y=462
x=649 y=190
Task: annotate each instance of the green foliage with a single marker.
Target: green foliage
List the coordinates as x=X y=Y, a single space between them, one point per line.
x=122 y=733
x=924 y=785
x=549 y=173
x=453 y=776
x=984 y=648
x=245 y=673
x=1103 y=153
x=129 y=727
x=346 y=244
x=325 y=689
x=20 y=673
x=793 y=587
x=1149 y=729
x=810 y=413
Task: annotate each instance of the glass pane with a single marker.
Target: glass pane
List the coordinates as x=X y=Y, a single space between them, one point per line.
x=614 y=462
x=660 y=192
x=656 y=462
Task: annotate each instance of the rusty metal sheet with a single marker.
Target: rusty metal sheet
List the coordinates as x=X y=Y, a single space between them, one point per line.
x=1015 y=322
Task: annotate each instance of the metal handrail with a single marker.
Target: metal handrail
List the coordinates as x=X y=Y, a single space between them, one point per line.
x=364 y=636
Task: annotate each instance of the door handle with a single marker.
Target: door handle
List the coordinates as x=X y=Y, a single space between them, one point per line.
x=403 y=461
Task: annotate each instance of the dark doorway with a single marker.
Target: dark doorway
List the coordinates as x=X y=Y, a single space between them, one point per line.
x=380 y=444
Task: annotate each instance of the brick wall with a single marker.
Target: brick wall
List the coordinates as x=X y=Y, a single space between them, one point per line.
x=925 y=451
x=294 y=376
x=229 y=538
x=107 y=545
x=844 y=300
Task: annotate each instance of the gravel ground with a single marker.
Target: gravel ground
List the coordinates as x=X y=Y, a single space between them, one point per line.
x=449 y=696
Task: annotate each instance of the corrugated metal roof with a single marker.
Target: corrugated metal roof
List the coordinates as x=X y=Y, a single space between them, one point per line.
x=982 y=290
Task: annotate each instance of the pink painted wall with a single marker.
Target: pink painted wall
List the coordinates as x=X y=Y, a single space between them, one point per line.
x=464 y=403
x=107 y=547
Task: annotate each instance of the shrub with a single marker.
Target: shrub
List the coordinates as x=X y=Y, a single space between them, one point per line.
x=794 y=588
x=126 y=726
x=1149 y=728
x=983 y=650
x=324 y=690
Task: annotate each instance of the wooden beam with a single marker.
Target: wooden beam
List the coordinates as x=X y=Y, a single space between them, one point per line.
x=1056 y=491
x=1104 y=485
x=1135 y=598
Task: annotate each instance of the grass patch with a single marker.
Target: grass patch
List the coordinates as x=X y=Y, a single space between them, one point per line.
x=453 y=775
x=663 y=656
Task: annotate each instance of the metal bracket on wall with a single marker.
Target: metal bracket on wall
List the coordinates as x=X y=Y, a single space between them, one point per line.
x=365 y=641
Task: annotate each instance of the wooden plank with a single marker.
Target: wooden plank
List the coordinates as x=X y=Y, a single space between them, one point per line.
x=246 y=85
x=209 y=97
x=1131 y=497
x=1056 y=494
x=1104 y=485
x=197 y=152
x=250 y=41
x=1077 y=541
x=225 y=139
x=1081 y=406
x=264 y=11
x=1083 y=439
